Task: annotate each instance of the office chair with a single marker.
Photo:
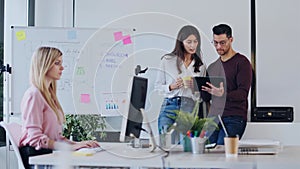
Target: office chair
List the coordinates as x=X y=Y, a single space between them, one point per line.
x=13 y=131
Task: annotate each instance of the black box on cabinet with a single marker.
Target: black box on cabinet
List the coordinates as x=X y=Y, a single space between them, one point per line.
x=272 y=114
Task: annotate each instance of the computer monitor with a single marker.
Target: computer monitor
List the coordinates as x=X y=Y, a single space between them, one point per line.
x=133 y=119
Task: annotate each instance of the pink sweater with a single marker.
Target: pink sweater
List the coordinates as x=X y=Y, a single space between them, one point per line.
x=40 y=122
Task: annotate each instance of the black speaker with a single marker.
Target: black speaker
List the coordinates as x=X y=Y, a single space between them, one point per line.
x=272 y=114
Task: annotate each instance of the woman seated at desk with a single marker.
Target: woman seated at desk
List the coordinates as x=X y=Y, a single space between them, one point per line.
x=42 y=114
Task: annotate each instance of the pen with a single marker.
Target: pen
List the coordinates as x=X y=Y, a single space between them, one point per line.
x=202 y=134
x=196 y=133
x=188 y=133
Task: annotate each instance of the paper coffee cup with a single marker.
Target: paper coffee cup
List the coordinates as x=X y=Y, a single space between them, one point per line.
x=231 y=146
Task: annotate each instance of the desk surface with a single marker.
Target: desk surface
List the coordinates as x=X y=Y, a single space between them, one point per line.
x=122 y=155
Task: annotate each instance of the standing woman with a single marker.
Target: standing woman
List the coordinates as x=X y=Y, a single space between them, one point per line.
x=175 y=76
x=42 y=114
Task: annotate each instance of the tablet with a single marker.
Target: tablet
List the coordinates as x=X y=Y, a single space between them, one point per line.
x=214 y=80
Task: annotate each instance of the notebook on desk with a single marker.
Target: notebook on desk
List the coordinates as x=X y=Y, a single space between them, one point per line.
x=252 y=147
x=259 y=147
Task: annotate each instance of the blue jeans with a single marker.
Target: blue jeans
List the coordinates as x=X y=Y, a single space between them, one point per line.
x=235 y=125
x=167 y=109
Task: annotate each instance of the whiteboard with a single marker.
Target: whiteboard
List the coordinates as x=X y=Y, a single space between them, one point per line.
x=91 y=58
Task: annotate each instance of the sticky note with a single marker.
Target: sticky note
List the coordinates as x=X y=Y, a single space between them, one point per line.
x=80 y=71
x=118 y=36
x=72 y=35
x=85 y=98
x=127 y=40
x=21 y=35
x=79 y=153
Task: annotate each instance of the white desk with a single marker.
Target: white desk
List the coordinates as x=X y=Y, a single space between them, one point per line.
x=121 y=155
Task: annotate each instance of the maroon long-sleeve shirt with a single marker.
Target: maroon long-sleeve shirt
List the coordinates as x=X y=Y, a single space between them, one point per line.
x=238 y=74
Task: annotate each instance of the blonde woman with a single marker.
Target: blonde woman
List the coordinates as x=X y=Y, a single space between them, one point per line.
x=42 y=114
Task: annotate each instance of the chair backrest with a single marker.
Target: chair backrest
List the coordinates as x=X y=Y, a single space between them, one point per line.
x=13 y=131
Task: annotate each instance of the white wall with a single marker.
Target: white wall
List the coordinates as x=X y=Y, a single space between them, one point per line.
x=277 y=59
x=54 y=13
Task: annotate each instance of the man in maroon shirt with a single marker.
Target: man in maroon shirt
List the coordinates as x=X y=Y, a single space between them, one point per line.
x=230 y=100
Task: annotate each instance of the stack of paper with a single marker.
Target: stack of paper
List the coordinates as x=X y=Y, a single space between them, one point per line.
x=259 y=146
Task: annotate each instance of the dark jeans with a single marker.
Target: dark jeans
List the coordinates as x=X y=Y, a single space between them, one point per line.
x=28 y=151
x=235 y=125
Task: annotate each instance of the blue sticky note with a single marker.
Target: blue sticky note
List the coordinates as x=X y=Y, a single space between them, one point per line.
x=72 y=35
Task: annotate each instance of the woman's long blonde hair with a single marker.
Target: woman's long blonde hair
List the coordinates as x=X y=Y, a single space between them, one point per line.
x=42 y=61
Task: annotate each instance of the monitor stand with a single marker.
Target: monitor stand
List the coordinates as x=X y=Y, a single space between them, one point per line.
x=150 y=132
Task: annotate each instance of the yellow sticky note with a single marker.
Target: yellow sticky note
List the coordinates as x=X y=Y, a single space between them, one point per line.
x=21 y=35
x=82 y=153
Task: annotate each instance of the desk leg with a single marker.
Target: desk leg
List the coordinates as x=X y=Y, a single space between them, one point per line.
x=36 y=166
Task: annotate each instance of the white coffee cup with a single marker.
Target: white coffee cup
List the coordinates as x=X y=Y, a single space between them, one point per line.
x=186 y=81
x=165 y=140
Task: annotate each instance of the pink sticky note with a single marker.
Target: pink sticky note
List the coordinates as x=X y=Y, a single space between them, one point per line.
x=85 y=98
x=127 y=40
x=118 y=36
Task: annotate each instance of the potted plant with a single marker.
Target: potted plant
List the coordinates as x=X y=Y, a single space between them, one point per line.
x=190 y=125
x=84 y=127
x=186 y=121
